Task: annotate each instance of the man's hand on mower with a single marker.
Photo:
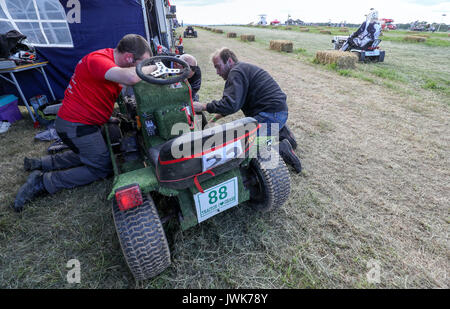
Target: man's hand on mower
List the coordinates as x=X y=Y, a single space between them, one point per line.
x=199 y=107
x=149 y=69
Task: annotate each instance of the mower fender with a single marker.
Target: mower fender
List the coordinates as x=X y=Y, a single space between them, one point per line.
x=145 y=178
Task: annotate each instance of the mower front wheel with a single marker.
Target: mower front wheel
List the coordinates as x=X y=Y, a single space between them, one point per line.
x=142 y=239
x=271 y=184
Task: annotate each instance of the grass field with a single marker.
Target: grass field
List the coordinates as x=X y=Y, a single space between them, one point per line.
x=375 y=190
x=408 y=67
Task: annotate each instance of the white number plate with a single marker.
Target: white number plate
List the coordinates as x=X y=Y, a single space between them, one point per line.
x=216 y=199
x=372 y=53
x=222 y=155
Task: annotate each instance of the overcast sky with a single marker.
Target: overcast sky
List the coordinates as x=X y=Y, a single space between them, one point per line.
x=245 y=11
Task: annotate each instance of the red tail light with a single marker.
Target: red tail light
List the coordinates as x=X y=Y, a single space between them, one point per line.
x=129 y=197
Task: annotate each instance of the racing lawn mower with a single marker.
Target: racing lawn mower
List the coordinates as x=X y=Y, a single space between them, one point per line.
x=190 y=32
x=364 y=41
x=368 y=53
x=168 y=169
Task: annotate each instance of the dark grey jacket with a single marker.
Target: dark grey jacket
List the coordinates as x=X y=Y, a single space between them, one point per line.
x=251 y=89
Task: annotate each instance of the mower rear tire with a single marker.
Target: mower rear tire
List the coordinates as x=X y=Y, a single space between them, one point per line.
x=142 y=239
x=273 y=183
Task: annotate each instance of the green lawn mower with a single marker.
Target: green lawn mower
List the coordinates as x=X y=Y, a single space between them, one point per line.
x=167 y=167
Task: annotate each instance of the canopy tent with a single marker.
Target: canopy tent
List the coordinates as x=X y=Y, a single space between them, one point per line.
x=92 y=25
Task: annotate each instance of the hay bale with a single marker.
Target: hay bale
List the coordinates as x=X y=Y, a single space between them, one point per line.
x=231 y=35
x=247 y=37
x=282 y=46
x=343 y=60
x=412 y=38
x=343 y=30
x=325 y=31
x=304 y=30
x=218 y=30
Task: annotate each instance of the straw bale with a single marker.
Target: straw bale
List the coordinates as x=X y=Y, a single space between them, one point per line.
x=282 y=46
x=231 y=35
x=325 y=31
x=343 y=60
x=412 y=38
x=247 y=37
x=304 y=30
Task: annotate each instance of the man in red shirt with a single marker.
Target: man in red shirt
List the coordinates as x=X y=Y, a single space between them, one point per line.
x=88 y=104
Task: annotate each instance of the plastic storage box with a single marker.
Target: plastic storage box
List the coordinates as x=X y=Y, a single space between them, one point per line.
x=9 y=110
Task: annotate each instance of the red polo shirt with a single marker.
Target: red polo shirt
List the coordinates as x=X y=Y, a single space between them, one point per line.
x=90 y=98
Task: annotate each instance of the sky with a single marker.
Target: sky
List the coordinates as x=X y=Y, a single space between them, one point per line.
x=214 y=12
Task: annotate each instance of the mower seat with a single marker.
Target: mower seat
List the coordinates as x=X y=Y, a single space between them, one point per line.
x=197 y=156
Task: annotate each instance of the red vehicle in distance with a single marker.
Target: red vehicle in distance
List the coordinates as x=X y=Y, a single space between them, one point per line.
x=387 y=24
x=275 y=22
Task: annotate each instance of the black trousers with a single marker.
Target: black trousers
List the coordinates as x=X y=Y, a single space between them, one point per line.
x=87 y=161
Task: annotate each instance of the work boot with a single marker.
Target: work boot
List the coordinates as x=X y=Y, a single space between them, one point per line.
x=32 y=164
x=31 y=189
x=289 y=156
x=286 y=133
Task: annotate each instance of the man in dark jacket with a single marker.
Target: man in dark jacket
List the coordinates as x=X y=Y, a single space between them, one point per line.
x=252 y=90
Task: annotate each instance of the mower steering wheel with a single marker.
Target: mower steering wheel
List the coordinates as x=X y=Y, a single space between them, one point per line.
x=158 y=76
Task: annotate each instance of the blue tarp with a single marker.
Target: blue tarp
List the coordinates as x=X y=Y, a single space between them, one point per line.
x=103 y=24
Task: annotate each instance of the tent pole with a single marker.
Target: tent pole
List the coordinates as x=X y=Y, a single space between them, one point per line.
x=144 y=13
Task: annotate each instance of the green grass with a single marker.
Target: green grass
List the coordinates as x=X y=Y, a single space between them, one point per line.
x=433 y=42
x=387 y=73
x=431 y=84
x=300 y=51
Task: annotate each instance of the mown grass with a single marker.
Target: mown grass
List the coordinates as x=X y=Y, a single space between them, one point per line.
x=322 y=238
